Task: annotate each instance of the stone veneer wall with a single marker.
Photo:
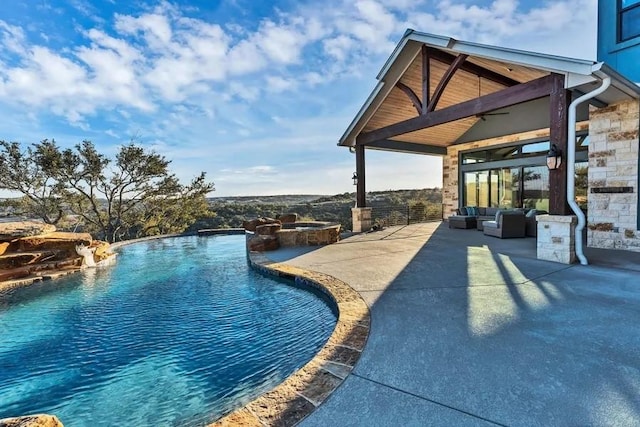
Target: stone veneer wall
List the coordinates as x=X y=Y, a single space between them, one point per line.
x=450 y=196
x=613 y=162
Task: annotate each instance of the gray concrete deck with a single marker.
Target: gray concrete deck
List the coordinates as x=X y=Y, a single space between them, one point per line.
x=472 y=330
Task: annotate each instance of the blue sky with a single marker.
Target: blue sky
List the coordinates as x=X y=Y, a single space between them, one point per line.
x=255 y=93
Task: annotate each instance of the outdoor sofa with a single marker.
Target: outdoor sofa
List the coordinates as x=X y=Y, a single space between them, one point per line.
x=476 y=216
x=507 y=224
x=471 y=217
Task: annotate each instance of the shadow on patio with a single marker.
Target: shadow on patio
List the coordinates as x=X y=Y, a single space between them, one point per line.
x=469 y=329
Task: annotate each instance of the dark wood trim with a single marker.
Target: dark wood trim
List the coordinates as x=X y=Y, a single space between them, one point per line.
x=560 y=98
x=361 y=197
x=426 y=78
x=407 y=147
x=446 y=78
x=412 y=96
x=462 y=192
x=502 y=164
x=523 y=92
x=472 y=68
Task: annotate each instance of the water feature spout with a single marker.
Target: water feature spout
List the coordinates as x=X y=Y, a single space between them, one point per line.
x=87 y=253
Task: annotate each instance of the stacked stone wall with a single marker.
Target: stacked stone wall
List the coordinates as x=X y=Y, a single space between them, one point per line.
x=613 y=162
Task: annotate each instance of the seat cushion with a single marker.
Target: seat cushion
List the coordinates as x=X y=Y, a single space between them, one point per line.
x=491 y=211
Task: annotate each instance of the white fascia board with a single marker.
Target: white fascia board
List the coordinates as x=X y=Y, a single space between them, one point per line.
x=574 y=80
x=618 y=80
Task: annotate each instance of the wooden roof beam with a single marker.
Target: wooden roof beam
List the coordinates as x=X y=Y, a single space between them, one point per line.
x=407 y=147
x=523 y=92
x=472 y=68
x=412 y=96
x=426 y=78
x=446 y=78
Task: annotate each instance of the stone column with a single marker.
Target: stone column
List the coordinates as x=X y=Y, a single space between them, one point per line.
x=556 y=238
x=361 y=219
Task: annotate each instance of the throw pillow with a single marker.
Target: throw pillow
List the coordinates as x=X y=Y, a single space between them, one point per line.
x=463 y=211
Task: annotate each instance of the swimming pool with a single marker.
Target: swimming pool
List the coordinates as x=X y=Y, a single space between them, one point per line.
x=178 y=332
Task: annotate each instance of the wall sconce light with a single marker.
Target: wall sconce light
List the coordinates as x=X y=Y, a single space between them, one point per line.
x=355 y=178
x=554 y=158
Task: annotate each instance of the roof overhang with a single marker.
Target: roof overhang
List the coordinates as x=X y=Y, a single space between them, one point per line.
x=580 y=76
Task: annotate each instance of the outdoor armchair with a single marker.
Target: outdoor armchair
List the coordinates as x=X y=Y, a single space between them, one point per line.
x=507 y=224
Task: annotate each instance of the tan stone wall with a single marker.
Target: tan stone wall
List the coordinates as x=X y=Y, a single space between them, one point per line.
x=556 y=238
x=450 y=168
x=613 y=162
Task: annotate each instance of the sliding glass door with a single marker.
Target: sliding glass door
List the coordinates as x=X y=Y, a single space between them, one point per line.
x=477 y=188
x=495 y=187
x=535 y=181
x=508 y=188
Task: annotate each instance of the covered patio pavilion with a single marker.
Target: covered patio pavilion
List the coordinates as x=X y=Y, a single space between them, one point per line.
x=440 y=96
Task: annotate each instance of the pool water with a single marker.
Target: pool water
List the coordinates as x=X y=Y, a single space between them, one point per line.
x=179 y=332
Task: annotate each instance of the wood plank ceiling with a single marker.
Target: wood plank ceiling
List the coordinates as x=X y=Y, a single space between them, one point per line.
x=463 y=86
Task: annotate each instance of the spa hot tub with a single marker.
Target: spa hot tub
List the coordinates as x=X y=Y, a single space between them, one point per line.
x=308 y=233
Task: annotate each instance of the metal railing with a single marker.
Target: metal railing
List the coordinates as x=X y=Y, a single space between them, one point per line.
x=413 y=213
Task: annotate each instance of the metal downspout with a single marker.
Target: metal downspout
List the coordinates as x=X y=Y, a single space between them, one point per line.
x=571 y=166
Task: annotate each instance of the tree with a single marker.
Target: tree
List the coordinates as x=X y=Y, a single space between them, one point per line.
x=133 y=196
x=31 y=172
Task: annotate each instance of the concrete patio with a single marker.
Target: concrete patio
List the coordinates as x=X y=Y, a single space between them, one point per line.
x=473 y=330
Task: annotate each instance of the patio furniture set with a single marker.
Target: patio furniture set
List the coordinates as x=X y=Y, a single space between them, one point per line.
x=501 y=223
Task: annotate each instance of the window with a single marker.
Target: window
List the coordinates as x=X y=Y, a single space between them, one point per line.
x=628 y=19
x=515 y=176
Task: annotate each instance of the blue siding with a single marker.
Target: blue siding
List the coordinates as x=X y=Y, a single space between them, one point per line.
x=624 y=56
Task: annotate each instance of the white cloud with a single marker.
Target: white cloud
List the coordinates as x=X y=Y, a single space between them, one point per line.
x=279 y=84
x=12 y=38
x=155 y=28
x=280 y=44
x=339 y=46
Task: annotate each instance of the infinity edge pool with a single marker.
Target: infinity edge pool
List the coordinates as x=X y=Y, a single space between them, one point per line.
x=302 y=392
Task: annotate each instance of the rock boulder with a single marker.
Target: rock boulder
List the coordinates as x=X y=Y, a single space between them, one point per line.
x=15 y=230
x=55 y=240
x=39 y=420
x=268 y=229
x=251 y=225
x=288 y=218
x=263 y=243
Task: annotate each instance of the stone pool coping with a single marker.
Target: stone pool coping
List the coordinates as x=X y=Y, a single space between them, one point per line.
x=302 y=392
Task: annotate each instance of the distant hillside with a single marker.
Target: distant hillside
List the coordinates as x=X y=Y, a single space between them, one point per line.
x=231 y=211
x=282 y=199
